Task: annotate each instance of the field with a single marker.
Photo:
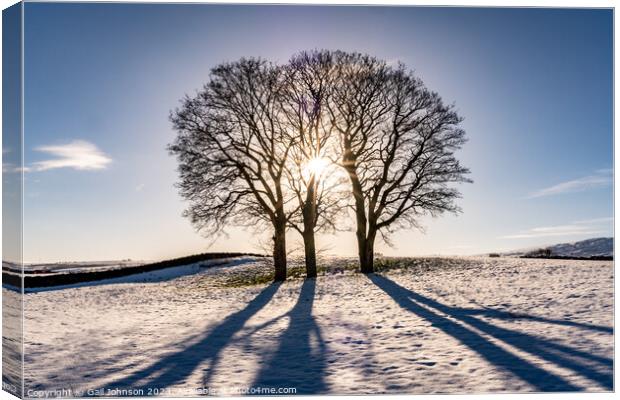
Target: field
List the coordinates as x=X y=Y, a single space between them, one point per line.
x=427 y=325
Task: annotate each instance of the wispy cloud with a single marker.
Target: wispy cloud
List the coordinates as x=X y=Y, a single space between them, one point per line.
x=549 y=231
x=595 y=220
x=78 y=154
x=600 y=178
x=461 y=247
x=10 y=168
x=593 y=226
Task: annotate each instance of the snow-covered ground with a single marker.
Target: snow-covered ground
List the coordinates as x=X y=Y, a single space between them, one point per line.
x=459 y=325
x=160 y=275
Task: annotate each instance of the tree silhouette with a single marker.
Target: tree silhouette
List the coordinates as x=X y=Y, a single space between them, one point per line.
x=232 y=150
x=309 y=174
x=397 y=144
x=249 y=142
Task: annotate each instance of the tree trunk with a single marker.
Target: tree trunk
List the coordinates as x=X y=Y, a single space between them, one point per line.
x=279 y=253
x=361 y=250
x=365 y=243
x=367 y=256
x=361 y=221
x=310 y=215
x=310 y=250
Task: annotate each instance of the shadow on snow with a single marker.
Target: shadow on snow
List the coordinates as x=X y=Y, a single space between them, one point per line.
x=299 y=362
x=177 y=367
x=595 y=368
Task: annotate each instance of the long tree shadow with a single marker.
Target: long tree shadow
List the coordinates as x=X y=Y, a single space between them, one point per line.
x=596 y=368
x=498 y=314
x=539 y=378
x=177 y=367
x=299 y=361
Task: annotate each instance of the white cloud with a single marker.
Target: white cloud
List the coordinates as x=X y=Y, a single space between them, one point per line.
x=78 y=154
x=592 y=226
x=9 y=168
x=597 y=221
x=140 y=187
x=601 y=178
x=551 y=231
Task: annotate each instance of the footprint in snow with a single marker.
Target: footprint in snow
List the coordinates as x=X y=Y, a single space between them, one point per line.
x=427 y=363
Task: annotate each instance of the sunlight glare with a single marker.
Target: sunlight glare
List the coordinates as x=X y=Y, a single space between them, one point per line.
x=316 y=166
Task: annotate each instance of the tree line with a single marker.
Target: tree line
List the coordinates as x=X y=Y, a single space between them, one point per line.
x=262 y=145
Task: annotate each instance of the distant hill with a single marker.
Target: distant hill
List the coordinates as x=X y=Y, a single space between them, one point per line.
x=40 y=276
x=597 y=247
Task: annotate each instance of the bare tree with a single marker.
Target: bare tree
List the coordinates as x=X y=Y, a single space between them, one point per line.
x=310 y=175
x=397 y=144
x=254 y=144
x=232 y=150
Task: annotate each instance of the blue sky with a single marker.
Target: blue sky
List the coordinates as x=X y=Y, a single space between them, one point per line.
x=534 y=86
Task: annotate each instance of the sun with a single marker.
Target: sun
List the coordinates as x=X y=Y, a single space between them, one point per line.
x=315 y=167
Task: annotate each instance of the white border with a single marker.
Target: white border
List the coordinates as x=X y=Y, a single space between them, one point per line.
x=479 y=3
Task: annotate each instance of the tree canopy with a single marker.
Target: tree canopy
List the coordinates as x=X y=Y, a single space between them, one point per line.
x=262 y=144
